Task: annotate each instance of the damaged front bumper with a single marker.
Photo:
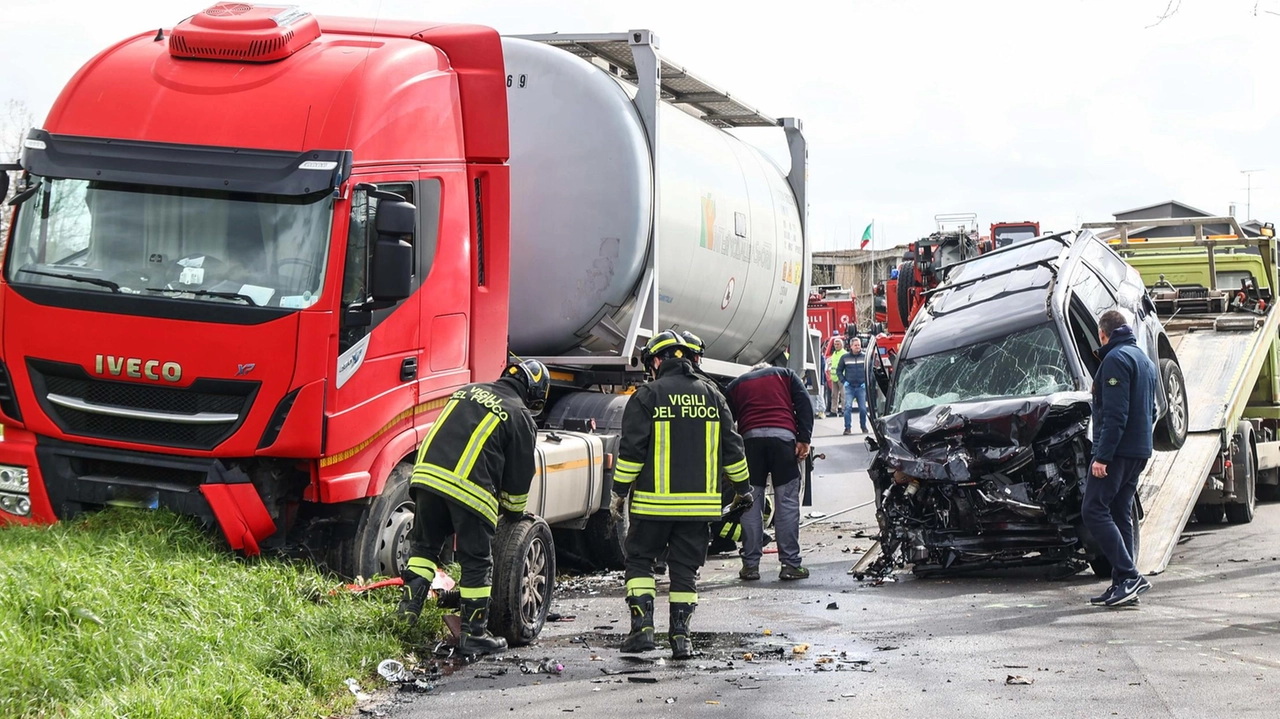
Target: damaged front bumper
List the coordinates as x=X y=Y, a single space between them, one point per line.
x=982 y=485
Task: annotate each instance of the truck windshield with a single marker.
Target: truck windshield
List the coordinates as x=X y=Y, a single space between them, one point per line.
x=1024 y=364
x=264 y=250
x=1009 y=235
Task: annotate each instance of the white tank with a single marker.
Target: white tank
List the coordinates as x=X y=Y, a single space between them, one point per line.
x=581 y=192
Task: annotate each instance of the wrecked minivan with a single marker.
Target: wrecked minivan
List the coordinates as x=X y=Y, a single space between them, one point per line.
x=982 y=435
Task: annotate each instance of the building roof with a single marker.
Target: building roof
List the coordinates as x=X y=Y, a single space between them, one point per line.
x=1187 y=210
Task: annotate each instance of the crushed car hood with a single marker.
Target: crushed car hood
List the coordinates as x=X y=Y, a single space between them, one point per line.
x=952 y=442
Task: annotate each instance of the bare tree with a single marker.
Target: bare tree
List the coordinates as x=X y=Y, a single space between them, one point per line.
x=15 y=121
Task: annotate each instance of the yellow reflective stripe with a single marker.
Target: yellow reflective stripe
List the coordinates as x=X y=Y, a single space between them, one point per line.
x=467 y=461
x=422 y=567
x=683 y=498
x=737 y=471
x=435 y=427
x=708 y=512
x=713 y=455
x=662 y=457
x=684 y=597
x=626 y=465
x=513 y=502
x=475 y=592
x=641 y=586
x=624 y=477
x=468 y=493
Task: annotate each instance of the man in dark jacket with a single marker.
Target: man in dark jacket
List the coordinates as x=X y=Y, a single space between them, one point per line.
x=852 y=371
x=1124 y=407
x=677 y=436
x=775 y=419
x=477 y=462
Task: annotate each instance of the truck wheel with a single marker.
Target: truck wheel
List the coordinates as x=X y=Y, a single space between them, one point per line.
x=524 y=575
x=1099 y=563
x=906 y=280
x=607 y=540
x=1210 y=513
x=1171 y=430
x=380 y=544
x=1242 y=466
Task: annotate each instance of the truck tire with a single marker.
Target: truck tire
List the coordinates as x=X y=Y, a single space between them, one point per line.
x=1242 y=466
x=380 y=543
x=906 y=281
x=1099 y=563
x=1210 y=513
x=606 y=540
x=524 y=576
x=1171 y=430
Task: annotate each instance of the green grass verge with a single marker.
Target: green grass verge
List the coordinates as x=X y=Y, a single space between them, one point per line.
x=141 y=614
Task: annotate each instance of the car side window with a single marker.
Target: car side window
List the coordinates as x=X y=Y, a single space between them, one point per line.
x=1084 y=334
x=1106 y=262
x=1095 y=296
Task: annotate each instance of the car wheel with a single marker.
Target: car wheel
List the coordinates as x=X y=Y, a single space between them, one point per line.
x=1242 y=466
x=906 y=280
x=1171 y=430
x=524 y=576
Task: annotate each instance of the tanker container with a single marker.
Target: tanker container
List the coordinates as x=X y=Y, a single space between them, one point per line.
x=730 y=264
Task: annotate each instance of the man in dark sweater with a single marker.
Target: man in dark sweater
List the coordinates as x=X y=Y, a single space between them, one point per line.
x=852 y=371
x=1124 y=408
x=775 y=419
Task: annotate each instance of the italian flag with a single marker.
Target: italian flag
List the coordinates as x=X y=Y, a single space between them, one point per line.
x=866 y=236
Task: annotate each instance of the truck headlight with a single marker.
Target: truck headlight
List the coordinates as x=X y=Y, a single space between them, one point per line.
x=18 y=504
x=14 y=479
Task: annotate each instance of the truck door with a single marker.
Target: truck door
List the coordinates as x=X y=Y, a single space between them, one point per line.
x=377 y=364
x=445 y=247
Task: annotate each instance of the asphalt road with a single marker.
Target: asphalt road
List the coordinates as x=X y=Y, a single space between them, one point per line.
x=1203 y=642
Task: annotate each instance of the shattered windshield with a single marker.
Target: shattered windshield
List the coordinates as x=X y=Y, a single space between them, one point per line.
x=1024 y=364
x=170 y=242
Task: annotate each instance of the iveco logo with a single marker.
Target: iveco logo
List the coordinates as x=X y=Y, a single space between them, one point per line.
x=137 y=368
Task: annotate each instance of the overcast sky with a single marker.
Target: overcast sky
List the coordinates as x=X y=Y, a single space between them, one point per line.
x=1062 y=111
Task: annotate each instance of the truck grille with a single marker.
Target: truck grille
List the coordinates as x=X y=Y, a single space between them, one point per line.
x=200 y=416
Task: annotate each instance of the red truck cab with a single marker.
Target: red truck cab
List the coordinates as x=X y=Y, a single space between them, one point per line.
x=250 y=261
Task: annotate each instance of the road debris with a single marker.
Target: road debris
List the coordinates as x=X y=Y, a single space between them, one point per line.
x=394 y=672
x=546 y=666
x=1015 y=680
x=643 y=680
x=800 y=649
x=354 y=686
x=833 y=605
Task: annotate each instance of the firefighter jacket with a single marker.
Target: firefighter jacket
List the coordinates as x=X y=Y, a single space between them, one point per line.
x=677 y=437
x=480 y=451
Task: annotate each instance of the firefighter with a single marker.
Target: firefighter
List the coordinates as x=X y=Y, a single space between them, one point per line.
x=677 y=436
x=476 y=464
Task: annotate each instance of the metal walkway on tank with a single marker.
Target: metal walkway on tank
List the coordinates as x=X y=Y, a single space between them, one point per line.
x=1220 y=359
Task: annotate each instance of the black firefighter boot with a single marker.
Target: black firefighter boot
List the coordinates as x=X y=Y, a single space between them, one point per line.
x=678 y=632
x=476 y=638
x=641 y=637
x=413 y=595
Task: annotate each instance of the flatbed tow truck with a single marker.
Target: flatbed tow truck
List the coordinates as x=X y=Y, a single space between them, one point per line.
x=1215 y=295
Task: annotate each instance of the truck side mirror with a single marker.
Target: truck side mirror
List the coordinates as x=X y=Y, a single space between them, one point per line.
x=391 y=273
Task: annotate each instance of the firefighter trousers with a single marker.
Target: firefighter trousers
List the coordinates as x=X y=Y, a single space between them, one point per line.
x=685 y=544
x=435 y=518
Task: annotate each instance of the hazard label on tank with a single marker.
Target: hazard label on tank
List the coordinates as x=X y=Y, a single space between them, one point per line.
x=728 y=294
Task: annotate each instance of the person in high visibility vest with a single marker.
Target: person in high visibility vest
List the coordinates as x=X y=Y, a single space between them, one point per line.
x=677 y=435
x=475 y=465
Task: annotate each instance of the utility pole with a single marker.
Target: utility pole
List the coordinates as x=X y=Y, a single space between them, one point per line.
x=1248 y=201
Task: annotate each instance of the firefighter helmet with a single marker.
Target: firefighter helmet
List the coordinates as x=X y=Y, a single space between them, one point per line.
x=663 y=345
x=535 y=378
x=694 y=343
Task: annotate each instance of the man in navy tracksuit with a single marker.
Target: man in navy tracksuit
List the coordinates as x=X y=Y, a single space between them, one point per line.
x=1124 y=392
